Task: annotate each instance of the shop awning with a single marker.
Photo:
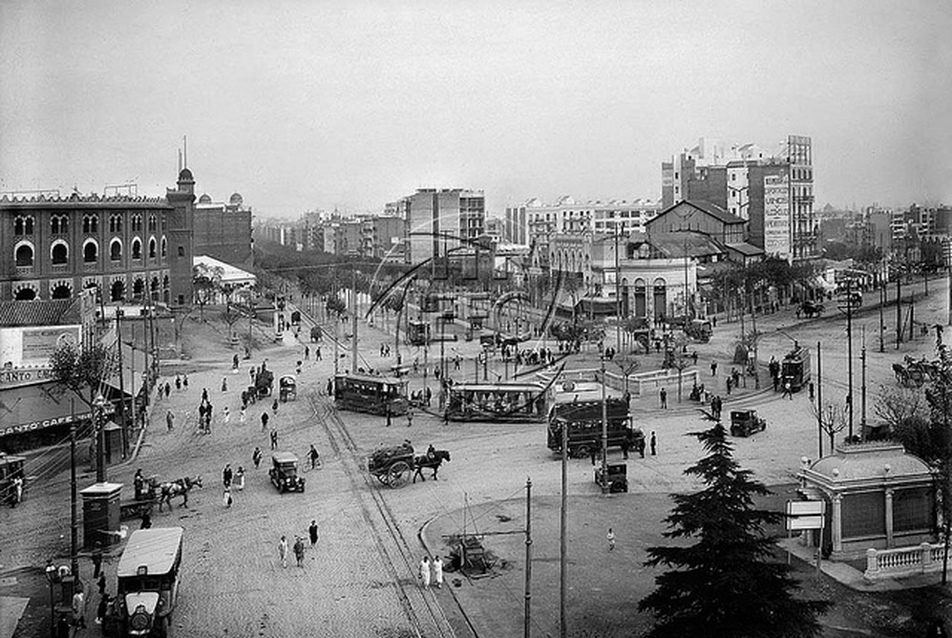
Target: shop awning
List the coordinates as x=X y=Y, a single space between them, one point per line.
x=35 y=407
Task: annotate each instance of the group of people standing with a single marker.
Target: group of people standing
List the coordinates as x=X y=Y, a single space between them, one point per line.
x=298 y=548
x=431 y=572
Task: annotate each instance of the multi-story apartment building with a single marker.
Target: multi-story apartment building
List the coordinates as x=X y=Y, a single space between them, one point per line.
x=223 y=230
x=129 y=248
x=437 y=218
x=568 y=215
x=772 y=190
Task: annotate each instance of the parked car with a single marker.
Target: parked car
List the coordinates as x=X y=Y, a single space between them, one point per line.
x=746 y=422
x=284 y=472
x=617 y=478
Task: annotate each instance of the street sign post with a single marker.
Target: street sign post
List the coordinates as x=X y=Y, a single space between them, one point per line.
x=804 y=515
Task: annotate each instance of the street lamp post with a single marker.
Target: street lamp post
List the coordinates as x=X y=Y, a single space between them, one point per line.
x=51 y=578
x=99 y=414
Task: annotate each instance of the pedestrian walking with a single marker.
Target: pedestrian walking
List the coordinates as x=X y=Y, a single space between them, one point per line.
x=299 y=551
x=234 y=363
x=178 y=382
x=101 y=583
x=611 y=540
x=185 y=381
x=787 y=390
x=713 y=368
x=224 y=384
x=204 y=395
x=317 y=352
x=240 y=479
x=226 y=415
x=593 y=452
x=654 y=444
x=274 y=438
x=389 y=416
x=226 y=475
x=168 y=389
x=256 y=457
x=625 y=444
x=640 y=443
x=101 y=609
x=169 y=421
x=425 y=572
x=79 y=610
x=664 y=398
x=312 y=532
x=811 y=389
x=438 y=572
x=274 y=406
x=97 y=563
x=226 y=497
x=283 y=551
x=409 y=418
x=264 y=421
x=730 y=383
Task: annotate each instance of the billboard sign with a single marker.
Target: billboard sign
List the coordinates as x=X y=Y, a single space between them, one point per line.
x=39 y=343
x=805 y=515
x=777 y=216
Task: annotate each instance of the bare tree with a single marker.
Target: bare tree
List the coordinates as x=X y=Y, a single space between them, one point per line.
x=832 y=418
x=680 y=359
x=206 y=283
x=627 y=364
x=81 y=369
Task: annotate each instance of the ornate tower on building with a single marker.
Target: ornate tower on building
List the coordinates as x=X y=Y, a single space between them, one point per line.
x=181 y=237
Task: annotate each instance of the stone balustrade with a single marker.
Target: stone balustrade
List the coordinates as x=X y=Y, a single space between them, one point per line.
x=903 y=561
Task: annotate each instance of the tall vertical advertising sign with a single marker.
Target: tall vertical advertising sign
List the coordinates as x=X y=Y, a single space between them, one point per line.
x=777 y=216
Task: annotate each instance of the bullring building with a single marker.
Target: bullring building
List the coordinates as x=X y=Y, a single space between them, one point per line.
x=131 y=249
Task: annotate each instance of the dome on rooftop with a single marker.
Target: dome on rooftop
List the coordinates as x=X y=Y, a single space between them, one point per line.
x=205 y=199
x=185 y=176
x=235 y=199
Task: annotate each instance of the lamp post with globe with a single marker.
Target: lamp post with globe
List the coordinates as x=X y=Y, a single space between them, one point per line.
x=99 y=415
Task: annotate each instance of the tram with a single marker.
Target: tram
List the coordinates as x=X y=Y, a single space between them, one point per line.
x=371 y=393
x=499 y=402
x=418 y=333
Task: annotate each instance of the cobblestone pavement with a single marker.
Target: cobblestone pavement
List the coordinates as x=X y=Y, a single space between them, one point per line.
x=232 y=582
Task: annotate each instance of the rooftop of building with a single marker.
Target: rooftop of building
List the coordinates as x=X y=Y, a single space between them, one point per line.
x=869 y=460
x=54 y=312
x=76 y=199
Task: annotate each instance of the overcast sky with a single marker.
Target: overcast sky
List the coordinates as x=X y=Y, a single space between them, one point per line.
x=303 y=105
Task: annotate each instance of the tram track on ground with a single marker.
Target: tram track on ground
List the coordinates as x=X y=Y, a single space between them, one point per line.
x=422 y=610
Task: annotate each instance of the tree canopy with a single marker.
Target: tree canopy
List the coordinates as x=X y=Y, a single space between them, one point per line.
x=728 y=583
x=80 y=369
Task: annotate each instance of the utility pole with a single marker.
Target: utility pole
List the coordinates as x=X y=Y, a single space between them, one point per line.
x=819 y=398
x=862 y=418
x=563 y=545
x=618 y=295
x=884 y=281
x=74 y=521
x=336 y=343
x=604 y=481
x=898 y=308
x=528 y=595
x=353 y=347
x=849 y=350
x=122 y=385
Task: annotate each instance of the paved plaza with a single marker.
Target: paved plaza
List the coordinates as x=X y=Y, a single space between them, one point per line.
x=360 y=577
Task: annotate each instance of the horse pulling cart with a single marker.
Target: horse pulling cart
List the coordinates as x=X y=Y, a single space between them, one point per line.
x=147 y=496
x=913 y=373
x=392 y=466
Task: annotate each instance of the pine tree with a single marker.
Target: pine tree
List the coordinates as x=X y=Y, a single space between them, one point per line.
x=727 y=583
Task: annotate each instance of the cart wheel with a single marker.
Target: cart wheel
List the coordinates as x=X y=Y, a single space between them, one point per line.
x=581 y=452
x=399 y=474
x=383 y=477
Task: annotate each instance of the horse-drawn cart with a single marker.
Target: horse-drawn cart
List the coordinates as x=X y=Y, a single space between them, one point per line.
x=147 y=495
x=392 y=466
x=913 y=373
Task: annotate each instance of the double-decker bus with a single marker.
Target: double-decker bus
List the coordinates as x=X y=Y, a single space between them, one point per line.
x=582 y=415
x=371 y=393
x=500 y=402
x=148 y=577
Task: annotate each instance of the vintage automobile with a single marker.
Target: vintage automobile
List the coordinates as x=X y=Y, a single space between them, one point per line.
x=287 y=388
x=616 y=477
x=317 y=334
x=284 y=472
x=746 y=422
x=699 y=330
